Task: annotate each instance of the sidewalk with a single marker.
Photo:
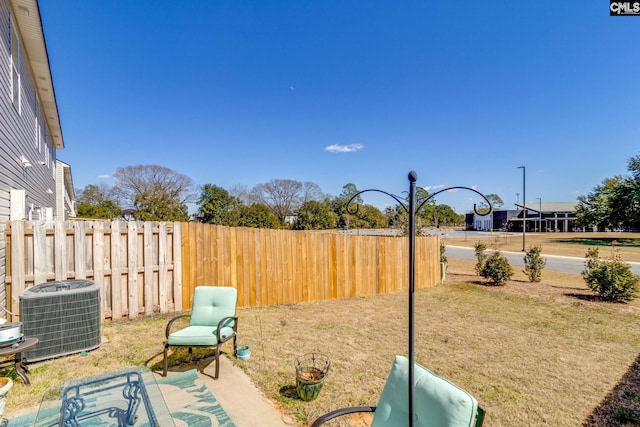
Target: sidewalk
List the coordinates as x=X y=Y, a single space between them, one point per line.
x=241 y=399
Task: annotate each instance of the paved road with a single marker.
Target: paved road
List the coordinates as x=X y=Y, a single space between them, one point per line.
x=562 y=264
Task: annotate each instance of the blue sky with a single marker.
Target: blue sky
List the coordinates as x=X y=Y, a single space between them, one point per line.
x=335 y=92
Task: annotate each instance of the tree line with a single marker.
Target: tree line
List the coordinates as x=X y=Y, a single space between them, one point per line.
x=157 y=193
x=615 y=203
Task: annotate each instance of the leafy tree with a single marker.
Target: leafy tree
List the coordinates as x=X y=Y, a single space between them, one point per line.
x=257 y=216
x=217 y=206
x=534 y=263
x=314 y=215
x=368 y=216
x=616 y=202
x=596 y=209
x=339 y=204
x=494 y=199
x=159 y=206
x=444 y=215
x=97 y=201
x=155 y=192
x=611 y=279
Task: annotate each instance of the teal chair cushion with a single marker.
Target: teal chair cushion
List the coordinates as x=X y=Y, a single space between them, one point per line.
x=211 y=304
x=437 y=402
x=198 y=335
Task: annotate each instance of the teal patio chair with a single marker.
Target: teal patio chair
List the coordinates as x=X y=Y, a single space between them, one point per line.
x=437 y=402
x=212 y=322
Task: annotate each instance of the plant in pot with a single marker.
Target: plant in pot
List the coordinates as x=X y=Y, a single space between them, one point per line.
x=443 y=261
x=311 y=371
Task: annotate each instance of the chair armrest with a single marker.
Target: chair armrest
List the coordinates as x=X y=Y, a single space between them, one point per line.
x=221 y=324
x=168 y=330
x=340 y=412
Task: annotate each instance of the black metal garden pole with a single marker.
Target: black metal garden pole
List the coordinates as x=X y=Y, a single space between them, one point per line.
x=411 y=210
x=413 y=177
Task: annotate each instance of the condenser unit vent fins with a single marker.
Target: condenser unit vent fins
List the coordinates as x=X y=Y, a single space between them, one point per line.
x=63 y=315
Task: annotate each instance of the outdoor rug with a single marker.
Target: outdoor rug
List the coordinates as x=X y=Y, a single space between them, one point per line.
x=190 y=403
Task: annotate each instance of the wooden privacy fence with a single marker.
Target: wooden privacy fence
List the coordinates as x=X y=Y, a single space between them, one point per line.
x=149 y=267
x=270 y=267
x=135 y=264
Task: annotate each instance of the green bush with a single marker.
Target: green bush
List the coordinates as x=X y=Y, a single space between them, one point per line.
x=611 y=278
x=497 y=268
x=480 y=255
x=443 y=249
x=534 y=263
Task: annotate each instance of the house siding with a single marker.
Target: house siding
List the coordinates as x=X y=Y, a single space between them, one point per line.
x=18 y=137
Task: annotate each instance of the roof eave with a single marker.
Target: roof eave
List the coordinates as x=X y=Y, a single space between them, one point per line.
x=28 y=20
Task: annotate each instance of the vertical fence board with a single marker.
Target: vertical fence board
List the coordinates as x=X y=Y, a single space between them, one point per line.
x=98 y=264
x=132 y=272
x=148 y=266
x=176 y=262
x=17 y=264
x=39 y=254
x=162 y=267
x=60 y=257
x=80 y=254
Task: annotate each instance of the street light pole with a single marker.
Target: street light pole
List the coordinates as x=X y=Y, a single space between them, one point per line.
x=540 y=213
x=524 y=208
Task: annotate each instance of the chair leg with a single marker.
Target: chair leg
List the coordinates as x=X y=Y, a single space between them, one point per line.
x=235 y=346
x=164 y=360
x=215 y=377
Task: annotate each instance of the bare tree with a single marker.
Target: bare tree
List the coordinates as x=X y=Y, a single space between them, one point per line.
x=311 y=192
x=153 y=188
x=285 y=196
x=242 y=193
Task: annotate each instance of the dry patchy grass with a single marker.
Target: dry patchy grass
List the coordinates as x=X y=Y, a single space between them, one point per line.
x=532 y=354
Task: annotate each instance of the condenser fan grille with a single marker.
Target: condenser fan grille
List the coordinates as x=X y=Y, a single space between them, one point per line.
x=63 y=315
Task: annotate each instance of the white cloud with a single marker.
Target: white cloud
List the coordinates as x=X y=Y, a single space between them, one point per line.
x=433 y=187
x=105 y=176
x=335 y=148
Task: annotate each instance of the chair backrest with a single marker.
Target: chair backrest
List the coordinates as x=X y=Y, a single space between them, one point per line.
x=437 y=402
x=211 y=304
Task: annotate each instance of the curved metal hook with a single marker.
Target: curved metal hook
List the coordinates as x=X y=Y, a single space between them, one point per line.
x=401 y=202
x=396 y=198
x=422 y=202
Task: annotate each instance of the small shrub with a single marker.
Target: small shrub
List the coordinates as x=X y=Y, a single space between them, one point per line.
x=443 y=249
x=534 y=263
x=481 y=256
x=625 y=415
x=497 y=268
x=611 y=279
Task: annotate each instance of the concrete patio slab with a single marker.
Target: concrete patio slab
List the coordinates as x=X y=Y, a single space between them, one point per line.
x=245 y=403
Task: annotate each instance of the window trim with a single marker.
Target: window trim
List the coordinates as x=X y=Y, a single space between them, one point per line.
x=14 y=72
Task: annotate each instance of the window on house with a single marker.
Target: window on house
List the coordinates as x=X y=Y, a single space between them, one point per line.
x=15 y=67
x=37 y=131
